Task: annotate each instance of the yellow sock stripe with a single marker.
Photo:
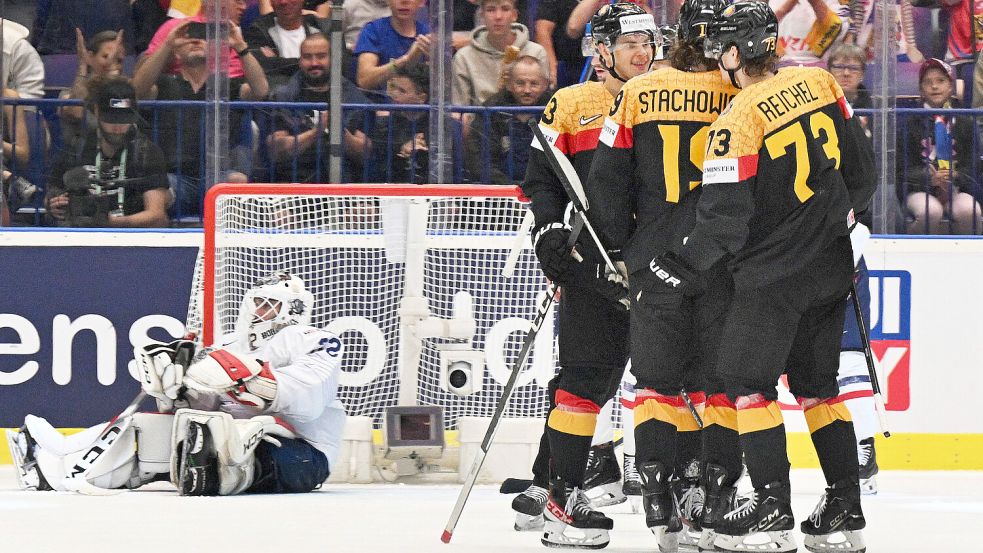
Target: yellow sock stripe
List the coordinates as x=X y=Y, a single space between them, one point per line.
x=650 y=409
x=684 y=418
x=755 y=419
x=723 y=416
x=825 y=414
x=573 y=422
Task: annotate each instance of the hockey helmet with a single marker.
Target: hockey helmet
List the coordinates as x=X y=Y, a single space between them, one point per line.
x=621 y=18
x=695 y=17
x=274 y=302
x=749 y=25
x=668 y=39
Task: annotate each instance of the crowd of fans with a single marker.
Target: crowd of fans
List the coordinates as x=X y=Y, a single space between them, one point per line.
x=507 y=54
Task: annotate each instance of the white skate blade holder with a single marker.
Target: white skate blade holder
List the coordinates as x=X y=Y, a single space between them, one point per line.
x=605 y=495
x=775 y=541
x=558 y=534
x=529 y=523
x=838 y=542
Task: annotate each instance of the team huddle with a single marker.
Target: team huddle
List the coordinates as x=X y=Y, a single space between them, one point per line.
x=727 y=199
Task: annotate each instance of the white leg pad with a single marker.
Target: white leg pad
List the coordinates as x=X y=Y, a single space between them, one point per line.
x=604 y=431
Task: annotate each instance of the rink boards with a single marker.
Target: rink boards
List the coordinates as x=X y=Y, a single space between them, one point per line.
x=76 y=302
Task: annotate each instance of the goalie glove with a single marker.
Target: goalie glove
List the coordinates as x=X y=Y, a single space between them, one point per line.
x=247 y=380
x=162 y=369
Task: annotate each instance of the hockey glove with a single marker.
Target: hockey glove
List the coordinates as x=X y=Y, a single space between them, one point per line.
x=553 y=252
x=675 y=274
x=162 y=369
x=597 y=276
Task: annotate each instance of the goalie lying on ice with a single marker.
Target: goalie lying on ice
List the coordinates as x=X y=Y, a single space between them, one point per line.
x=259 y=414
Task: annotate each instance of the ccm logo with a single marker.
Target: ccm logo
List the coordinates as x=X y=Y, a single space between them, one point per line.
x=664 y=275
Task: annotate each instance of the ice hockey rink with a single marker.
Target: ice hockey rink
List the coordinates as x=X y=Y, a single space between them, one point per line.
x=914 y=512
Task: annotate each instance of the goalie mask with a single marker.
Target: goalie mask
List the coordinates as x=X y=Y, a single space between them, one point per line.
x=615 y=20
x=273 y=303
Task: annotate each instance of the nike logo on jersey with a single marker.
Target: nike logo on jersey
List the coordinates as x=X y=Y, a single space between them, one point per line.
x=588 y=120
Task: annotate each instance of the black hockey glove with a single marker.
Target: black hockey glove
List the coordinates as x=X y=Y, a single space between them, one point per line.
x=554 y=252
x=598 y=277
x=675 y=274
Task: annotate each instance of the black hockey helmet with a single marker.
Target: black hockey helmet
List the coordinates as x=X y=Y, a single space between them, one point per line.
x=621 y=18
x=749 y=25
x=695 y=17
x=669 y=35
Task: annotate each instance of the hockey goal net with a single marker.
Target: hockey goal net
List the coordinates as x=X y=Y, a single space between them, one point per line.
x=410 y=277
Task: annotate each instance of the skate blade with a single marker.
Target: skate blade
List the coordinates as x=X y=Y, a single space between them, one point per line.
x=636 y=504
x=606 y=495
x=707 y=538
x=668 y=541
x=847 y=541
x=527 y=523
x=23 y=475
x=561 y=535
x=868 y=486
x=775 y=541
x=689 y=539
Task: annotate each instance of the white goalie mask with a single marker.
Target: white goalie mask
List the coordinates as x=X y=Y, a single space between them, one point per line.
x=274 y=302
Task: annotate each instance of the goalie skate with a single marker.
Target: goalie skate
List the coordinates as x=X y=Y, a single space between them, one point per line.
x=867 y=456
x=21 y=447
x=835 y=524
x=570 y=521
x=602 y=477
x=198 y=472
x=762 y=523
x=528 y=507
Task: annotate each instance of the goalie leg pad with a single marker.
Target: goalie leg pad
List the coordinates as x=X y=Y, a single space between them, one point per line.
x=207 y=446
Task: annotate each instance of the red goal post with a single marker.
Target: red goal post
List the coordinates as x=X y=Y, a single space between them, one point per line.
x=410 y=276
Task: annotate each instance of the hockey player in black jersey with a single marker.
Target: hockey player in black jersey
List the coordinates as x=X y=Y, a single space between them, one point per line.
x=643 y=190
x=593 y=334
x=787 y=166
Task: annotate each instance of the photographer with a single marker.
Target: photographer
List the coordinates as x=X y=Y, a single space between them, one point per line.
x=126 y=182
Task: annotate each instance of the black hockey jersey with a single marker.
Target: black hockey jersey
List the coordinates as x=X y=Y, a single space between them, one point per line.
x=644 y=182
x=787 y=166
x=572 y=123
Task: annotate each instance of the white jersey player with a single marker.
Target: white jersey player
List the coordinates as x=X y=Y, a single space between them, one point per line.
x=258 y=414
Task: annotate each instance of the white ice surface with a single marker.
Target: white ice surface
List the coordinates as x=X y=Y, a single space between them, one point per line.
x=914 y=512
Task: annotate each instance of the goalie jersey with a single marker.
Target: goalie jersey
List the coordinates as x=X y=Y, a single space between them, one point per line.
x=787 y=166
x=645 y=179
x=572 y=123
x=306 y=362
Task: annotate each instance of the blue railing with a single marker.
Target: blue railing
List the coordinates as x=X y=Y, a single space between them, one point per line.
x=490 y=146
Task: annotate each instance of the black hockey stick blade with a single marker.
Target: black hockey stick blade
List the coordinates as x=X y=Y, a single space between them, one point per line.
x=514 y=485
x=563 y=168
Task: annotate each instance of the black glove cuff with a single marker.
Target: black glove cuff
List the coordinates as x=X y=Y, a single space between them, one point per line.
x=541 y=231
x=672 y=271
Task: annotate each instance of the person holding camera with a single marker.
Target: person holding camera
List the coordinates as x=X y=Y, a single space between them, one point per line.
x=114 y=176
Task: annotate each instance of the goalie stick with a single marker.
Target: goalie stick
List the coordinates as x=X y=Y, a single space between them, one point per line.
x=869 y=356
x=76 y=479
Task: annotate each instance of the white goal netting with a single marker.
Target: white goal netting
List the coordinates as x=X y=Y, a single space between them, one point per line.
x=408 y=276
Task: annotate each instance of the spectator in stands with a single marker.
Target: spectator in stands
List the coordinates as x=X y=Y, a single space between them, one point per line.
x=507 y=134
x=179 y=133
x=965 y=21
x=16 y=154
x=807 y=29
x=389 y=43
x=148 y=16
x=318 y=8
x=275 y=38
x=56 y=21
x=863 y=29
x=128 y=168
x=478 y=67
x=233 y=7
x=935 y=158
x=847 y=63
x=566 y=60
x=299 y=144
x=358 y=13
x=399 y=138
x=22 y=67
x=100 y=55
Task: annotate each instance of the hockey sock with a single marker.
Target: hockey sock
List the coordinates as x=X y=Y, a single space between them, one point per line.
x=688 y=444
x=541 y=466
x=604 y=429
x=656 y=418
x=856 y=391
x=570 y=428
x=762 y=431
x=721 y=445
x=832 y=435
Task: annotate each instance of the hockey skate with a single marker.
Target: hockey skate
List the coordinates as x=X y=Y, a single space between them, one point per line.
x=659 y=506
x=835 y=524
x=718 y=498
x=867 y=455
x=632 y=484
x=762 y=523
x=570 y=521
x=198 y=472
x=528 y=507
x=689 y=496
x=602 y=478
x=22 y=447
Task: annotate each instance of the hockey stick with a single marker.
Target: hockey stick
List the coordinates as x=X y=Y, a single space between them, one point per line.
x=544 y=304
x=76 y=479
x=869 y=355
x=520 y=239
